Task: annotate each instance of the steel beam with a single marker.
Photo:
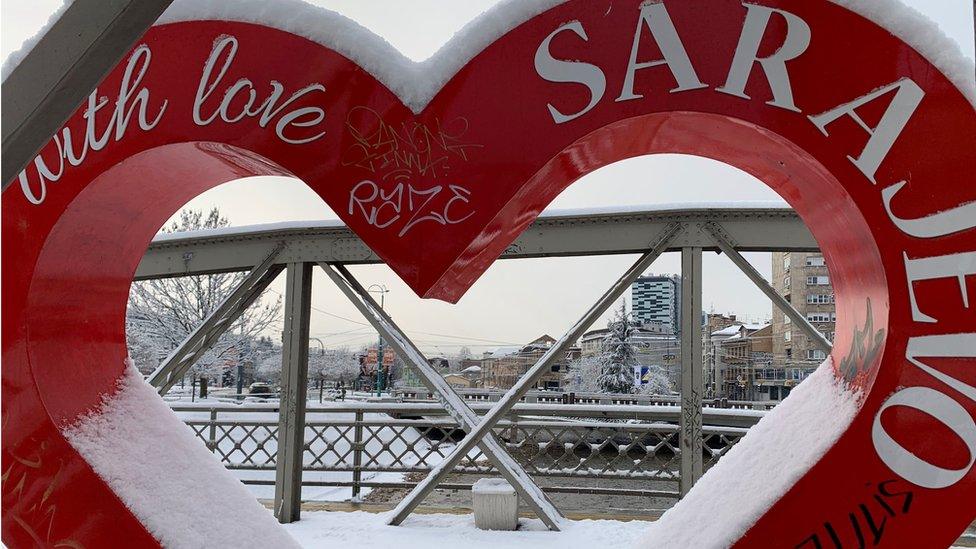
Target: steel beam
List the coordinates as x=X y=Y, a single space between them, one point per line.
x=209 y=331
x=294 y=386
x=63 y=68
x=692 y=368
x=527 y=381
x=726 y=246
x=553 y=234
x=455 y=406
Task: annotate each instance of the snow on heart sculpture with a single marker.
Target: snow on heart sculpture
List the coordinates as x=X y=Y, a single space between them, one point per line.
x=858 y=113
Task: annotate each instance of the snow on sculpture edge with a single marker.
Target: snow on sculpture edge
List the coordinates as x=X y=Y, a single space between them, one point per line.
x=769 y=459
x=414 y=83
x=166 y=477
x=417 y=83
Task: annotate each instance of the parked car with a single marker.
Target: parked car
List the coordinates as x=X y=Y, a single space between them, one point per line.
x=259 y=388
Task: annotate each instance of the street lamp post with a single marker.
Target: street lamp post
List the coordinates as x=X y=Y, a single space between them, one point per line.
x=321 y=357
x=321 y=345
x=380 y=381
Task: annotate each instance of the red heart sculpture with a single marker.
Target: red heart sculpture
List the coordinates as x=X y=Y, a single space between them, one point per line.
x=864 y=137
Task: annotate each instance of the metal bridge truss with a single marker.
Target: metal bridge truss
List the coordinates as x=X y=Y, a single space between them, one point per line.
x=266 y=251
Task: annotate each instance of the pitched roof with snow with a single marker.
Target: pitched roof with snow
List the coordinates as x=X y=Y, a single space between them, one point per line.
x=503 y=351
x=728 y=331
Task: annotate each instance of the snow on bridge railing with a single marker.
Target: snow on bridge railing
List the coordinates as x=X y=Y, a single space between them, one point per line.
x=557 y=397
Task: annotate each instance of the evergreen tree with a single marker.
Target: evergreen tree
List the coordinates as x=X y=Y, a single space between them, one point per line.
x=619 y=356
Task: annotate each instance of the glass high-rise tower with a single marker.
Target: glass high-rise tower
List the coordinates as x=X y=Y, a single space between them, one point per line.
x=657 y=299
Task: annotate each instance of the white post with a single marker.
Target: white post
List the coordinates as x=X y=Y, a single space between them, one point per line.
x=495 y=504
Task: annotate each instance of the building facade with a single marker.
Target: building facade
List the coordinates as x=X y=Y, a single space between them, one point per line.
x=656 y=299
x=803 y=279
x=408 y=375
x=744 y=358
x=503 y=367
x=654 y=343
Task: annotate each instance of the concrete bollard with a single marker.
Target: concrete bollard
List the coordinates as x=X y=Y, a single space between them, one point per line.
x=495 y=504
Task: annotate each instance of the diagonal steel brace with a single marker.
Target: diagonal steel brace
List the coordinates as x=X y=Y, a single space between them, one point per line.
x=527 y=381
x=717 y=234
x=454 y=404
x=209 y=331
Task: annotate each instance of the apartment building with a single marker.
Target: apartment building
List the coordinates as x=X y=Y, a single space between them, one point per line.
x=803 y=279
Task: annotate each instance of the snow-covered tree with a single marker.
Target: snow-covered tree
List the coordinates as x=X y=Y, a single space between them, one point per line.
x=267 y=364
x=656 y=381
x=163 y=312
x=338 y=365
x=583 y=374
x=619 y=356
x=145 y=350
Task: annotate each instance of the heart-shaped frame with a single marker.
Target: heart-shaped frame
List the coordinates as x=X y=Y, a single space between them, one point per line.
x=864 y=136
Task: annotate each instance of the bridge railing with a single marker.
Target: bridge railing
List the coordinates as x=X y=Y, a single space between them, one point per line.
x=361 y=439
x=563 y=397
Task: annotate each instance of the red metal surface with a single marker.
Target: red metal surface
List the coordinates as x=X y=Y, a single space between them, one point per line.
x=439 y=195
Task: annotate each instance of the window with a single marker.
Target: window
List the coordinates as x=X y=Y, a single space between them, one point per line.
x=786 y=281
x=820 y=299
x=829 y=336
x=787 y=335
x=818 y=280
x=816 y=354
x=786 y=262
x=787 y=319
x=816 y=261
x=821 y=317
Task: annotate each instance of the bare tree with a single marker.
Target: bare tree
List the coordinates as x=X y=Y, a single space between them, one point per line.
x=163 y=312
x=267 y=362
x=335 y=365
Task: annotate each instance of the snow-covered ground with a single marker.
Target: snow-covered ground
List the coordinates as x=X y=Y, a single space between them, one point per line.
x=368 y=530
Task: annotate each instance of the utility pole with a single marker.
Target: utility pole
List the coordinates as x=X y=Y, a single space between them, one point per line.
x=380 y=379
x=321 y=365
x=240 y=379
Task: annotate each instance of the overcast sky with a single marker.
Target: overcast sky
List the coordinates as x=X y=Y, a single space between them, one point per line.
x=515 y=301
